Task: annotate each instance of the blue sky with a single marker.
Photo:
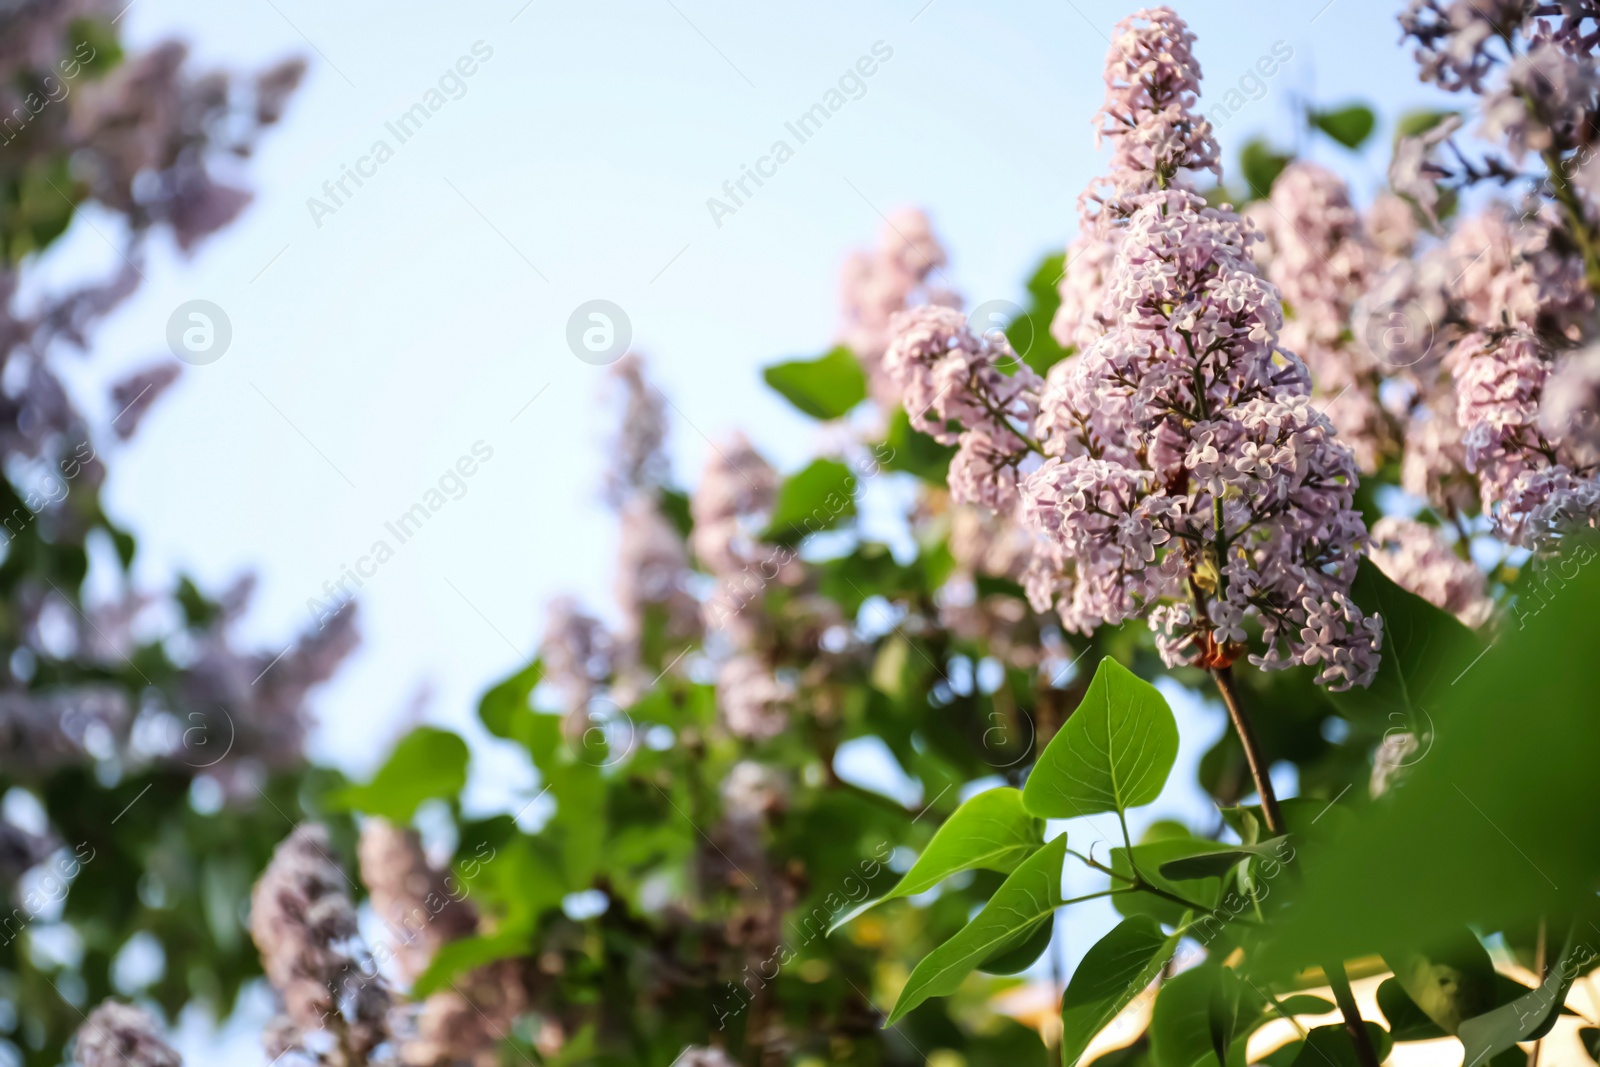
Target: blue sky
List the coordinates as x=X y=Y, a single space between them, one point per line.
x=375 y=345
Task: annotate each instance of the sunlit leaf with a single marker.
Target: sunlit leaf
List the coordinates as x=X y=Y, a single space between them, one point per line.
x=428 y=763
x=1113 y=753
x=824 y=388
x=991 y=831
x=817 y=497
x=1029 y=895
x=1112 y=973
x=1452 y=981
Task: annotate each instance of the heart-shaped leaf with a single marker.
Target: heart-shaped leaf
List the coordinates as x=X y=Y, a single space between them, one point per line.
x=1113 y=753
x=428 y=763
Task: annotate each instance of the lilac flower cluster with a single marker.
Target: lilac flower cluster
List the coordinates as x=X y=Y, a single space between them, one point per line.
x=1152 y=84
x=1523 y=297
x=304 y=925
x=730 y=508
x=1190 y=473
x=876 y=285
x=1535 y=487
x=424 y=908
x=1185 y=473
x=946 y=373
x=122 y=1035
x=1318 y=254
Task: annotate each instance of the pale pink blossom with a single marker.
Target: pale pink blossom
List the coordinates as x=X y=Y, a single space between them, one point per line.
x=947 y=374
x=1415 y=169
x=1420 y=560
x=1533 y=487
x=754 y=702
x=1185 y=414
x=874 y=286
x=1571 y=407
x=122 y=1035
x=1322 y=262
x=1158 y=141
x=304 y=925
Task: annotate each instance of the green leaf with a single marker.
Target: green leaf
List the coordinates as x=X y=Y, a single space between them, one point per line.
x=1113 y=753
x=1218 y=862
x=1115 y=971
x=824 y=388
x=1415 y=123
x=1530 y=1015
x=1349 y=125
x=816 y=498
x=1030 y=894
x=1260 y=166
x=1028 y=946
x=503 y=709
x=1424 y=649
x=1029 y=334
x=105 y=51
x=1300 y=1004
x=428 y=763
x=1197 y=1014
x=1472 y=839
x=1590 y=1036
x=675 y=507
x=1451 y=981
x=1330 y=1046
x=913 y=451
x=460 y=956
x=1151 y=858
x=1407 y=1022
x=991 y=831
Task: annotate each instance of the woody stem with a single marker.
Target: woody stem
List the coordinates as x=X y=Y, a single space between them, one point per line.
x=1273 y=816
